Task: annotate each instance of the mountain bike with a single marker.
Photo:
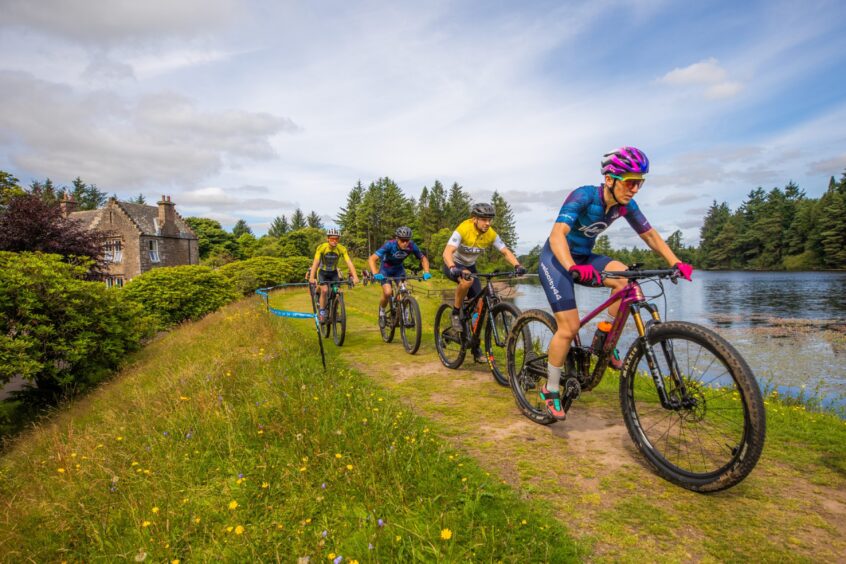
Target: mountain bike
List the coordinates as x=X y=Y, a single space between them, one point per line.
x=403 y=312
x=486 y=309
x=335 y=322
x=690 y=401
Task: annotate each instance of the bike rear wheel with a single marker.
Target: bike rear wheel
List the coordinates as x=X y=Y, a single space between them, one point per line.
x=411 y=327
x=450 y=346
x=496 y=338
x=387 y=331
x=339 y=320
x=712 y=438
x=526 y=360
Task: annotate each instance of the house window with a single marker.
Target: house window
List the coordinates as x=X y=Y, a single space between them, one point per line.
x=153 y=248
x=113 y=251
x=114 y=282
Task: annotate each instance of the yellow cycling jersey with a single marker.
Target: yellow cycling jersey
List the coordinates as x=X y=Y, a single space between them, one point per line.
x=470 y=242
x=329 y=257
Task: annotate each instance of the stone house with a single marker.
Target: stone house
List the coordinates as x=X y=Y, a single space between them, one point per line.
x=138 y=237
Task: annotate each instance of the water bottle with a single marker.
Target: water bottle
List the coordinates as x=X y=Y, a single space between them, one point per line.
x=475 y=319
x=599 y=337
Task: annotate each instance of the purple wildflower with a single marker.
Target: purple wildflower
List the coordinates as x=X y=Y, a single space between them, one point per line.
x=323 y=486
x=338 y=560
x=380 y=523
x=323 y=534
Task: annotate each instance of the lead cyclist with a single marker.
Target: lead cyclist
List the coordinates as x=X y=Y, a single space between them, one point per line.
x=568 y=257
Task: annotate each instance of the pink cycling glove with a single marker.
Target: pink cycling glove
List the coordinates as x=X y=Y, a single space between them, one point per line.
x=685 y=269
x=586 y=273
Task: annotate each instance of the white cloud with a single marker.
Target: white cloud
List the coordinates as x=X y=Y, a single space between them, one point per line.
x=707 y=74
x=111 y=22
x=163 y=138
x=219 y=201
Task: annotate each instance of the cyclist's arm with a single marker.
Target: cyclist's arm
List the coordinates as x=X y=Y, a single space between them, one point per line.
x=657 y=244
x=500 y=245
x=424 y=262
x=559 y=246
x=450 y=248
x=312 y=274
x=372 y=262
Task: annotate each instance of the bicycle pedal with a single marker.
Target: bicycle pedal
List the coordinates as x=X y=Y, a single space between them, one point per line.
x=572 y=388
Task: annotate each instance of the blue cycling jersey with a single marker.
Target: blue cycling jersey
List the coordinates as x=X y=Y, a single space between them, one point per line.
x=392 y=256
x=584 y=211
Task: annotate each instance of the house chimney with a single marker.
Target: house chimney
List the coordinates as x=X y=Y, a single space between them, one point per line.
x=68 y=204
x=167 y=217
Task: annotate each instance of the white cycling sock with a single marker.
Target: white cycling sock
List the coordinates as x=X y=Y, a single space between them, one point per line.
x=553 y=377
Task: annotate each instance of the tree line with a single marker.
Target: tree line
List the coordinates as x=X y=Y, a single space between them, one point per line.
x=777 y=230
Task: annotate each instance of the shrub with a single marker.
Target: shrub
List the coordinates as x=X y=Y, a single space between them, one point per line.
x=178 y=293
x=259 y=272
x=57 y=329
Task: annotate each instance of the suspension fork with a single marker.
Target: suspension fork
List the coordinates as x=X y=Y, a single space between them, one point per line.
x=652 y=361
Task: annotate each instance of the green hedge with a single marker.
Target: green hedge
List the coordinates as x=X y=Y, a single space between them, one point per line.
x=260 y=272
x=179 y=293
x=58 y=330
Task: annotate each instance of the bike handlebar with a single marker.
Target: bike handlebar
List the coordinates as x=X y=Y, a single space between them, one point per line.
x=489 y=275
x=670 y=273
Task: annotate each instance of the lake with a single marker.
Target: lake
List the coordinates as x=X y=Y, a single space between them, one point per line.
x=789 y=326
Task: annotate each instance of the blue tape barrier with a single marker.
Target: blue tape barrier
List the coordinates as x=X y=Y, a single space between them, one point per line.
x=263 y=292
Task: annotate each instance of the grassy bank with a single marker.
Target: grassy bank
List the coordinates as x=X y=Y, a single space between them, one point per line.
x=225 y=440
x=791 y=508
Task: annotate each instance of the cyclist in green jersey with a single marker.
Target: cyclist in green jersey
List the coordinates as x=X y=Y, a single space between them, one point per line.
x=325 y=265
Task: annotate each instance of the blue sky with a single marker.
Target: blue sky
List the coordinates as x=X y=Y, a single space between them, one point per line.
x=251 y=109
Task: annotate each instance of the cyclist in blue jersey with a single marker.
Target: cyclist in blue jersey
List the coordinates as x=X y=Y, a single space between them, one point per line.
x=568 y=257
x=392 y=255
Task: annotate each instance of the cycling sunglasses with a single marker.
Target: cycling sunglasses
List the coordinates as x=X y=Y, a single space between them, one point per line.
x=634 y=181
x=403 y=240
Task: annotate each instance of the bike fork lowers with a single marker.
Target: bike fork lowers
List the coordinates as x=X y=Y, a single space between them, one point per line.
x=652 y=360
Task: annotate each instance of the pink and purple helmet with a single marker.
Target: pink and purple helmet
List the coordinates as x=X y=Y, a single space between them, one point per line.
x=625 y=160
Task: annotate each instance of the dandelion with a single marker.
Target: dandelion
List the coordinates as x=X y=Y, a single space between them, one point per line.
x=229 y=529
x=196 y=520
x=523 y=522
x=174 y=561
x=446 y=534
x=118 y=438
x=339 y=455
x=146 y=524
x=349 y=466
x=265 y=485
x=61 y=470
x=155 y=510
x=398 y=538
x=239 y=530
x=233 y=505
x=302 y=469
x=184 y=398
x=331 y=556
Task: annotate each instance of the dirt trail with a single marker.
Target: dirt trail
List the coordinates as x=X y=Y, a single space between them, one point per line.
x=589 y=472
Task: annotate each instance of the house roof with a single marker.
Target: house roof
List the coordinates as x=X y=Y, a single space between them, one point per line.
x=144 y=217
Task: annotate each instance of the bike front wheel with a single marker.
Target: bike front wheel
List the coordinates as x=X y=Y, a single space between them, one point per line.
x=449 y=344
x=411 y=328
x=387 y=330
x=339 y=320
x=526 y=360
x=711 y=435
x=496 y=338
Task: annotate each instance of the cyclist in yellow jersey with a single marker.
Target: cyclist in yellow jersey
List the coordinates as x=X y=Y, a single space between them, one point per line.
x=326 y=259
x=468 y=241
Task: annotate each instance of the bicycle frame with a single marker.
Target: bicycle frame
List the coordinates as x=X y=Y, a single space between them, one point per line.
x=400 y=291
x=488 y=299
x=632 y=301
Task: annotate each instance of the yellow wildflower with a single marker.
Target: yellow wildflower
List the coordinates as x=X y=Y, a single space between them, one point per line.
x=446 y=534
x=239 y=530
x=339 y=455
x=155 y=510
x=265 y=485
x=146 y=524
x=61 y=470
x=349 y=466
x=233 y=504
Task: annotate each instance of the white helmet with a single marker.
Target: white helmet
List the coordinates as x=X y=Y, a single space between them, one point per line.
x=333 y=232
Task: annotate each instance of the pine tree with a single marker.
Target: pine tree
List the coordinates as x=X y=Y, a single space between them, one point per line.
x=87 y=196
x=138 y=199
x=240 y=228
x=504 y=223
x=437 y=208
x=298 y=220
x=279 y=226
x=457 y=207
x=45 y=190
x=831 y=230
x=313 y=220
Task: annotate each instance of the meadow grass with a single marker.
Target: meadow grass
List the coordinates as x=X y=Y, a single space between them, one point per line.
x=587 y=470
x=225 y=440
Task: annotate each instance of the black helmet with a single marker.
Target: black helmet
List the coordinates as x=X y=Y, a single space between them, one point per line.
x=486 y=211
x=403 y=232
